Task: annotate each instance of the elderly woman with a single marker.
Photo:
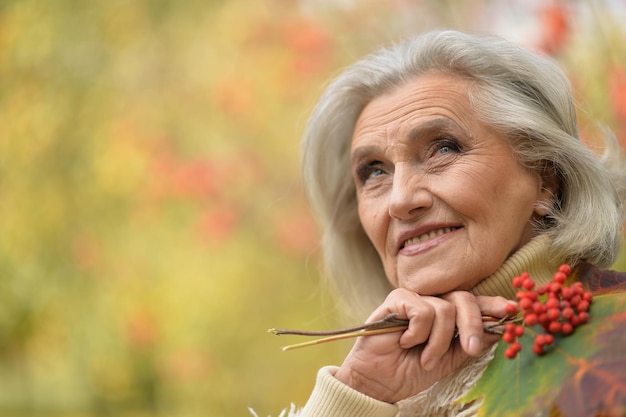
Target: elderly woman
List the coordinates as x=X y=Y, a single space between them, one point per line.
x=440 y=169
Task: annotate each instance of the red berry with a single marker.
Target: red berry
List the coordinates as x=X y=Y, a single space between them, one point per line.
x=555 y=287
x=525 y=303
x=565 y=268
x=511 y=309
x=583 y=306
x=538 y=308
x=553 y=302
x=559 y=277
x=553 y=314
x=508 y=337
x=540 y=339
x=555 y=327
x=517 y=346
x=567 y=328
x=519 y=331
x=531 y=319
x=567 y=293
x=517 y=282
x=510 y=353
x=528 y=283
x=567 y=313
x=538 y=349
x=549 y=339
x=588 y=297
x=583 y=317
x=542 y=289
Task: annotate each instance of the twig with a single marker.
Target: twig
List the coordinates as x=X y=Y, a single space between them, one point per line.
x=388 y=324
x=388 y=321
x=364 y=332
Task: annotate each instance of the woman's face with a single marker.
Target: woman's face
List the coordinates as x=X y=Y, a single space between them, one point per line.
x=441 y=195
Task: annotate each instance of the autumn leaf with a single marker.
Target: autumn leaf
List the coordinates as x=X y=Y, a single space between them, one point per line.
x=600 y=281
x=582 y=375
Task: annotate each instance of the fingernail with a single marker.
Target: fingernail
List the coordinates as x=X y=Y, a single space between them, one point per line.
x=475 y=345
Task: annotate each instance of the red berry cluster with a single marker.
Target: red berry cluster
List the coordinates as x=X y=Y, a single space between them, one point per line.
x=558 y=309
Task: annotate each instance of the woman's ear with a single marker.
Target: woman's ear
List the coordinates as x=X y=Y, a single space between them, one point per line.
x=550 y=189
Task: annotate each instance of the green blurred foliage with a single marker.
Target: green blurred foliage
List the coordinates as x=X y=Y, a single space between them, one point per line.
x=152 y=220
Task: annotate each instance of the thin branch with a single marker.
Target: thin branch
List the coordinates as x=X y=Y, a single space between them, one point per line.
x=388 y=321
x=388 y=324
x=363 y=332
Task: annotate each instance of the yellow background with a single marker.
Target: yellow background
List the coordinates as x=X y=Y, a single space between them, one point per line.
x=152 y=221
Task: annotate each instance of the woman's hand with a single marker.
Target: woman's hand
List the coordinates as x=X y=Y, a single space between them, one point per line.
x=394 y=366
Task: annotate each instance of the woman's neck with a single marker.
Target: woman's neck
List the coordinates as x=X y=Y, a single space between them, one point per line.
x=531 y=258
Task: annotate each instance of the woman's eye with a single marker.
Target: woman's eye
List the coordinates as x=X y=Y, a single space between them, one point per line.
x=447 y=146
x=376 y=172
x=369 y=171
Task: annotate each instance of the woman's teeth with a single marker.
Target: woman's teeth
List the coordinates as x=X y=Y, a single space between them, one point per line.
x=430 y=235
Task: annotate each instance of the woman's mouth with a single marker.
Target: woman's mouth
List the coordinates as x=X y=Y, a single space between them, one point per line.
x=427 y=236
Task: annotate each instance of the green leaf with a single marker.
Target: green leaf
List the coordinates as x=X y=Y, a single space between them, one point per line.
x=581 y=375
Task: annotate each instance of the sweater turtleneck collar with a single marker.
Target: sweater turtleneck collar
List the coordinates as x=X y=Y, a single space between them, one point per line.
x=531 y=258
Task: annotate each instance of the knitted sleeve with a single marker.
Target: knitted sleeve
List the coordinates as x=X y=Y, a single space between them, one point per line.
x=330 y=397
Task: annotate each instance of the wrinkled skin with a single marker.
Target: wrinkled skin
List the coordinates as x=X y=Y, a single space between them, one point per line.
x=395 y=366
x=445 y=202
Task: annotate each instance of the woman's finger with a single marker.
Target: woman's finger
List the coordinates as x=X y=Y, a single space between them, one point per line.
x=441 y=334
x=469 y=321
x=409 y=305
x=493 y=306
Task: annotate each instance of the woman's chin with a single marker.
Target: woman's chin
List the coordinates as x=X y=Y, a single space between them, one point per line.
x=426 y=288
x=435 y=285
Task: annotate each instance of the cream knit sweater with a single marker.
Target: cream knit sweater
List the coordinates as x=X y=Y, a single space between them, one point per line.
x=332 y=398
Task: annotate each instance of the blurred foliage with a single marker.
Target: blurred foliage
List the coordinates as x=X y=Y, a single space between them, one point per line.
x=153 y=225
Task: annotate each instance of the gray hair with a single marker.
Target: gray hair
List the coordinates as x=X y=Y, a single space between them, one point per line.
x=522 y=94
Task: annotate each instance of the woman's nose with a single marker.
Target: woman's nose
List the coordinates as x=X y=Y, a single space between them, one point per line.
x=408 y=195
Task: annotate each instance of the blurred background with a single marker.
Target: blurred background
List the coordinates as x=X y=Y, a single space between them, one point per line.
x=152 y=220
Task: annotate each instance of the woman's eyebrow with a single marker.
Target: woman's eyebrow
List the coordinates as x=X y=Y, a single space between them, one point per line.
x=424 y=130
x=436 y=125
x=362 y=151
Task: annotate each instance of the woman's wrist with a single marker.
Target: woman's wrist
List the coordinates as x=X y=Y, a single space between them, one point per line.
x=331 y=397
x=358 y=382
